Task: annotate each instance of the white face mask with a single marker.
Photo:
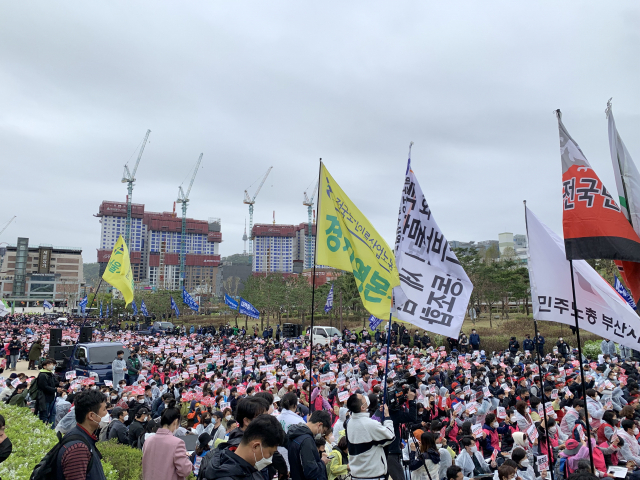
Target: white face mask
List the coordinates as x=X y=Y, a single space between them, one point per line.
x=126 y=417
x=635 y=431
x=227 y=417
x=105 y=419
x=263 y=462
x=512 y=418
x=524 y=463
x=528 y=410
x=366 y=400
x=438 y=445
x=113 y=397
x=141 y=401
x=495 y=425
x=474 y=449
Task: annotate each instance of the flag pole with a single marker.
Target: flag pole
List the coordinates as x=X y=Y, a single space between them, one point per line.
x=386 y=363
x=313 y=290
x=582 y=377
x=539 y=362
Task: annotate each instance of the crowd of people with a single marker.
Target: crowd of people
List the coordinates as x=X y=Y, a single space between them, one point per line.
x=263 y=406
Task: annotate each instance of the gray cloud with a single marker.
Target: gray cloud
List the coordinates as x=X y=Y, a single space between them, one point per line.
x=283 y=83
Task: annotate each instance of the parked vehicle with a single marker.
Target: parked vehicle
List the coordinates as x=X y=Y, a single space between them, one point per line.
x=324 y=335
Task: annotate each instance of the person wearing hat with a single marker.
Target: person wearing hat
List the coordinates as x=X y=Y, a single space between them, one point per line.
x=514 y=345
x=203 y=445
x=138 y=426
x=116 y=428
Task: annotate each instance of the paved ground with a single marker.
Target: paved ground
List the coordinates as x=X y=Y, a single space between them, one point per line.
x=22 y=367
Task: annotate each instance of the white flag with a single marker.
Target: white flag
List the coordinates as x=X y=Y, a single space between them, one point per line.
x=601 y=310
x=3 y=309
x=626 y=174
x=434 y=289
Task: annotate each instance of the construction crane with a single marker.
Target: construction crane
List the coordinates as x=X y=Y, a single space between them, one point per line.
x=129 y=178
x=184 y=200
x=8 y=223
x=250 y=201
x=308 y=202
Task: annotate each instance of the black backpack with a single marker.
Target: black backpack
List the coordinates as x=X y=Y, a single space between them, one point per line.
x=47 y=468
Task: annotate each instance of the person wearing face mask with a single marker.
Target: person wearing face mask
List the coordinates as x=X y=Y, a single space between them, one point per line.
x=79 y=456
x=216 y=429
x=253 y=455
x=491 y=441
x=470 y=460
x=522 y=417
x=119 y=367
x=138 y=427
x=367 y=439
x=525 y=469
x=48 y=387
x=116 y=428
x=164 y=456
x=305 y=463
x=629 y=448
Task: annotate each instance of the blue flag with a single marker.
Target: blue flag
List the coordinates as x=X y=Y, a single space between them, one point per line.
x=100 y=308
x=189 y=301
x=107 y=315
x=47 y=304
x=374 y=322
x=83 y=303
x=329 y=305
x=175 y=308
x=233 y=305
x=623 y=292
x=134 y=307
x=247 y=309
x=143 y=307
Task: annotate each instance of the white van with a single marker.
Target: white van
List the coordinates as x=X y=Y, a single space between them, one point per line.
x=324 y=335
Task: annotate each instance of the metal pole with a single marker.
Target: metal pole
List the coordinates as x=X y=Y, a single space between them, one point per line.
x=313 y=294
x=386 y=366
x=582 y=377
x=539 y=362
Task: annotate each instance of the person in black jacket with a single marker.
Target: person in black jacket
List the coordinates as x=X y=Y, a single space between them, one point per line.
x=399 y=416
x=305 y=462
x=14 y=351
x=48 y=386
x=138 y=427
x=259 y=443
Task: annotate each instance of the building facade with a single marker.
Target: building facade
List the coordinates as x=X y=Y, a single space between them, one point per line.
x=273 y=248
x=156 y=243
x=304 y=245
x=30 y=274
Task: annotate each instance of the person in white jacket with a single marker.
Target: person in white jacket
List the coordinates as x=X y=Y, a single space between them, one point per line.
x=367 y=439
x=287 y=418
x=466 y=462
x=342 y=416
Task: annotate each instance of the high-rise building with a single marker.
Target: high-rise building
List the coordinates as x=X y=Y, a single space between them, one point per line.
x=34 y=273
x=278 y=247
x=273 y=248
x=304 y=250
x=156 y=243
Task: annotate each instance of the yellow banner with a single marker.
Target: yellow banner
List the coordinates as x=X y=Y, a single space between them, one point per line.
x=346 y=240
x=118 y=272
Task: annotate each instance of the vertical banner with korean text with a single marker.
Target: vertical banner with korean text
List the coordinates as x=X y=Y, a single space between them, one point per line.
x=434 y=289
x=346 y=240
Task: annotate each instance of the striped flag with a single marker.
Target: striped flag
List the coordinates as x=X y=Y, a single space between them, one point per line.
x=47 y=304
x=329 y=305
x=134 y=307
x=624 y=293
x=143 y=307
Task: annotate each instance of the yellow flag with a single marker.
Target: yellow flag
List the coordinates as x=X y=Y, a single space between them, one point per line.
x=346 y=240
x=118 y=272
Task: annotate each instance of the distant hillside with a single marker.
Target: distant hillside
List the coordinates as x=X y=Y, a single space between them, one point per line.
x=91 y=274
x=238 y=259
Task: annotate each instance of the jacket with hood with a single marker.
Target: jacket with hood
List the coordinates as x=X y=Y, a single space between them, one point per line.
x=304 y=459
x=342 y=416
x=287 y=419
x=226 y=465
x=367 y=439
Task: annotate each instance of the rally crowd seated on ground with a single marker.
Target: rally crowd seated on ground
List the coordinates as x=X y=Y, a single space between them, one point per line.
x=256 y=411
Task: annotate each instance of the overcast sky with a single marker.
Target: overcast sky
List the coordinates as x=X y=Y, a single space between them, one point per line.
x=255 y=84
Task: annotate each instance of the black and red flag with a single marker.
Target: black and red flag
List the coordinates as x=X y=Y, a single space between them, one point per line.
x=593 y=224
